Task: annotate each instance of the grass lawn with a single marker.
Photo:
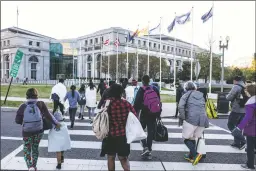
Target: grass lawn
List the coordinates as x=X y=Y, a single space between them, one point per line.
x=165 y=98
x=18 y=103
x=165 y=89
x=20 y=90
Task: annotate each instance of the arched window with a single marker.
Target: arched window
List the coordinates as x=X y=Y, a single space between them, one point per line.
x=7 y=66
x=33 y=60
x=89 y=58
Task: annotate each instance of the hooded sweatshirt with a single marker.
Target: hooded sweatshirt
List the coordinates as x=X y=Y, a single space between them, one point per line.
x=194 y=112
x=234 y=96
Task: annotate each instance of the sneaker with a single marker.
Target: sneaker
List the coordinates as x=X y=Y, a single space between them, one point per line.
x=242 y=146
x=58 y=166
x=235 y=146
x=145 y=151
x=31 y=169
x=149 y=156
x=188 y=158
x=82 y=118
x=197 y=159
x=246 y=167
x=79 y=116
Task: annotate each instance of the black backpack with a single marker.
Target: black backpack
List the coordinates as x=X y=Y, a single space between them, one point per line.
x=244 y=99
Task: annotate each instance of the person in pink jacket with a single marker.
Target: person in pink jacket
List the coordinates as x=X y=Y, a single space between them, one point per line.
x=248 y=125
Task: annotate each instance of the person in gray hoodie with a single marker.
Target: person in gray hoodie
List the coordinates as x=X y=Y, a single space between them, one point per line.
x=237 y=112
x=193 y=118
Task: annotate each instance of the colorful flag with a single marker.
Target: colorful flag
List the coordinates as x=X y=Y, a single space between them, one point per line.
x=155 y=29
x=207 y=15
x=106 y=43
x=183 y=18
x=143 y=32
x=117 y=42
x=135 y=34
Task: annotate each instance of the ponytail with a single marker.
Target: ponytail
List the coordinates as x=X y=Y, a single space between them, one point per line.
x=73 y=88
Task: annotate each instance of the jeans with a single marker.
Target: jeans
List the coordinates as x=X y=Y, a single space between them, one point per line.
x=91 y=111
x=251 y=145
x=149 y=122
x=82 y=110
x=72 y=115
x=191 y=144
x=57 y=104
x=233 y=120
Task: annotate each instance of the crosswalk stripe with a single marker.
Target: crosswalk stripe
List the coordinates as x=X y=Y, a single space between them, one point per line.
x=85 y=164
x=167 y=126
x=156 y=147
x=163 y=119
x=171 y=135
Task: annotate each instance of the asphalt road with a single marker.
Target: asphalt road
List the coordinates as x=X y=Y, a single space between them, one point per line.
x=10 y=129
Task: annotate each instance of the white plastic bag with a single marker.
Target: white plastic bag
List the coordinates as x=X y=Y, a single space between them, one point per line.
x=59 y=140
x=201 y=147
x=134 y=131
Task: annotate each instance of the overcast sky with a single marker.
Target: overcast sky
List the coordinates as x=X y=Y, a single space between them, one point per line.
x=73 y=19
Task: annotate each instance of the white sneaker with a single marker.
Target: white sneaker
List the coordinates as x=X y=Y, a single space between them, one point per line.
x=31 y=169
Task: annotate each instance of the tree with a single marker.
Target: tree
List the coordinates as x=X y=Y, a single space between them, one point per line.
x=185 y=73
x=204 y=60
x=154 y=66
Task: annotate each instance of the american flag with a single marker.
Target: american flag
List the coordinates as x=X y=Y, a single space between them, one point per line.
x=106 y=43
x=117 y=42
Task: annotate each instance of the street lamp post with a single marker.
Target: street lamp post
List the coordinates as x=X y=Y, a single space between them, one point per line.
x=223 y=47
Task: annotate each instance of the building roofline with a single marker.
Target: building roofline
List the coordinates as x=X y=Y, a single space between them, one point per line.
x=16 y=29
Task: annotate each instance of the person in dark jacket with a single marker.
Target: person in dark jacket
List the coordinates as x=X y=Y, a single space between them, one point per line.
x=237 y=112
x=124 y=83
x=101 y=87
x=105 y=95
x=179 y=93
x=248 y=125
x=146 y=119
x=202 y=90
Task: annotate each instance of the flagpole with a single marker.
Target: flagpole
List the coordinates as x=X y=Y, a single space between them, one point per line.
x=192 y=46
x=127 y=63
x=148 y=50
x=108 y=57
x=117 y=58
x=101 y=46
x=137 y=61
x=174 y=68
x=210 y=83
x=160 y=73
x=79 y=63
x=17 y=17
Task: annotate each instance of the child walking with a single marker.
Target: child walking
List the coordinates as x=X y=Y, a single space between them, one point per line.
x=73 y=98
x=59 y=139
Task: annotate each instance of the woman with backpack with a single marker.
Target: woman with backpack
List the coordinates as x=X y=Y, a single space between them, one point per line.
x=91 y=102
x=82 y=101
x=248 y=125
x=31 y=116
x=73 y=98
x=193 y=114
x=116 y=142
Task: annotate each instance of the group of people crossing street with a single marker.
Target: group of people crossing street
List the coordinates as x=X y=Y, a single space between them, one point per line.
x=145 y=103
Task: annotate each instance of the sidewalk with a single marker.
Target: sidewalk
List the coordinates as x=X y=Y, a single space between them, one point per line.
x=168 y=108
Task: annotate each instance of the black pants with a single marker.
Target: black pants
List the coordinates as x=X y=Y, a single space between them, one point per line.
x=72 y=115
x=251 y=145
x=177 y=109
x=57 y=104
x=233 y=120
x=149 y=122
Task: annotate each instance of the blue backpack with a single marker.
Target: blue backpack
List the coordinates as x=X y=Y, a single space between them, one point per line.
x=32 y=120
